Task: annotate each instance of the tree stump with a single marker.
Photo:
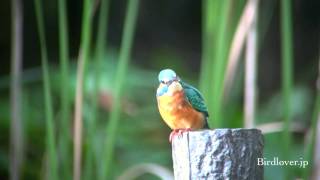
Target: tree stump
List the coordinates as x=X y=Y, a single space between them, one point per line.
x=218 y=154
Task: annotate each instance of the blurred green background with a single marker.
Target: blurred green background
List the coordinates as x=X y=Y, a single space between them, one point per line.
x=117 y=48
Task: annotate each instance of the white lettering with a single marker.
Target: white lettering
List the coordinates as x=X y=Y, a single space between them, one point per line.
x=260 y=161
x=276 y=162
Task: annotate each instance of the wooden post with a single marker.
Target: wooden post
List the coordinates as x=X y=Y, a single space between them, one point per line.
x=218 y=154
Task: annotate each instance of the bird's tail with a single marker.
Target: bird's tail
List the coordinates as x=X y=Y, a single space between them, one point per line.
x=206 y=125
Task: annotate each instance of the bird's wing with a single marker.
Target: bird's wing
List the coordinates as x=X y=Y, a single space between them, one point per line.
x=195 y=98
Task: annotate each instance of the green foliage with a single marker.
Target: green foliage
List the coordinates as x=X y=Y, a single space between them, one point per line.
x=121 y=123
x=310 y=149
x=287 y=68
x=219 y=23
x=210 y=24
x=81 y=72
x=99 y=54
x=64 y=139
x=50 y=127
x=125 y=50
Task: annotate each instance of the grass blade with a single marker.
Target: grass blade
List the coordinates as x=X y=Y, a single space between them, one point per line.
x=83 y=56
x=126 y=45
x=51 y=146
x=219 y=21
x=16 y=127
x=64 y=139
x=215 y=102
x=102 y=28
x=237 y=45
x=99 y=56
x=209 y=26
x=250 y=70
x=287 y=67
x=310 y=149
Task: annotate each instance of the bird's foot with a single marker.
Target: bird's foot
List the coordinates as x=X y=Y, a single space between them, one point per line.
x=178 y=132
x=172 y=134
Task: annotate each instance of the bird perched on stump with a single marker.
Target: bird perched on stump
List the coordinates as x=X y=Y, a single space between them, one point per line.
x=181 y=106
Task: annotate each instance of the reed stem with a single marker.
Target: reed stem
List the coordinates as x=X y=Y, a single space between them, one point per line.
x=287 y=67
x=125 y=51
x=64 y=139
x=51 y=144
x=99 y=56
x=16 y=126
x=83 y=57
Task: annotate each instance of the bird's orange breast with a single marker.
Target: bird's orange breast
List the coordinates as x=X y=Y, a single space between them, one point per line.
x=178 y=113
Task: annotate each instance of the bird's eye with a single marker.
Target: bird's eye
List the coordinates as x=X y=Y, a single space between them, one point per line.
x=162 y=82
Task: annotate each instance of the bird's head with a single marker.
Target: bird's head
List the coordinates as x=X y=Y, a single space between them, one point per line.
x=169 y=82
x=168 y=76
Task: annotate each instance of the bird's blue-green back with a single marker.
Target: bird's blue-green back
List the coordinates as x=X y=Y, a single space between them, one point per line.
x=195 y=98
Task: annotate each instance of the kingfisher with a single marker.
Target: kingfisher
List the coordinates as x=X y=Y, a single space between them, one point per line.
x=181 y=105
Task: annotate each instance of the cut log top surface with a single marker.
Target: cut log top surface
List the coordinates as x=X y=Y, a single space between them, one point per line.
x=218 y=154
